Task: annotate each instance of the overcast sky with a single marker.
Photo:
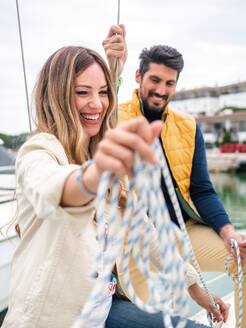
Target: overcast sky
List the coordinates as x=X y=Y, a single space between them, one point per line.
x=210 y=34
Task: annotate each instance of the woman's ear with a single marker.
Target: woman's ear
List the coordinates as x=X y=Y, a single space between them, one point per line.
x=138 y=76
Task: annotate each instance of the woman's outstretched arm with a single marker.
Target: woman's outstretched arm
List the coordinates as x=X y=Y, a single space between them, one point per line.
x=115 y=153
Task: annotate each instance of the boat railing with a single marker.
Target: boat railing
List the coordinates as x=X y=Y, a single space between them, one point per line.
x=10 y=169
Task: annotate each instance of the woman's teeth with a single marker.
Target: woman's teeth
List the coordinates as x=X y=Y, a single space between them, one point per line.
x=90 y=117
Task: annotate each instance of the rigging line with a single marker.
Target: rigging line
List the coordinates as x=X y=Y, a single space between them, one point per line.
x=117 y=70
x=23 y=65
x=118 y=18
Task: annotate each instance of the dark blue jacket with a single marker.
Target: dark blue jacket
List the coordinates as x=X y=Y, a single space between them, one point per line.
x=202 y=192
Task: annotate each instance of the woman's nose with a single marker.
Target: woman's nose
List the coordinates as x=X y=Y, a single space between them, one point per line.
x=95 y=102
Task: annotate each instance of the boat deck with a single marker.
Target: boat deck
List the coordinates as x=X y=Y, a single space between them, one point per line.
x=221 y=285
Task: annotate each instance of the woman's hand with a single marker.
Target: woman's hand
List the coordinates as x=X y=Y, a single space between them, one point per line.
x=115 y=48
x=115 y=152
x=201 y=298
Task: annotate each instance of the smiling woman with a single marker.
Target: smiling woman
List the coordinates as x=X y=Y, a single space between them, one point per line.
x=73 y=87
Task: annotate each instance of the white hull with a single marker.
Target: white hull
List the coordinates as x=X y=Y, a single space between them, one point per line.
x=8 y=238
x=7 y=247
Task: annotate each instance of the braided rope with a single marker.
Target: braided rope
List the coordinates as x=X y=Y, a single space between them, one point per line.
x=150 y=198
x=239 y=281
x=174 y=200
x=169 y=184
x=173 y=196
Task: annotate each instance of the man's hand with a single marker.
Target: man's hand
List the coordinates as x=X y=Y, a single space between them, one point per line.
x=115 y=47
x=200 y=296
x=227 y=233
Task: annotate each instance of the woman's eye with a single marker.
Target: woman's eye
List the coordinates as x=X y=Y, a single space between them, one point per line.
x=104 y=92
x=81 y=92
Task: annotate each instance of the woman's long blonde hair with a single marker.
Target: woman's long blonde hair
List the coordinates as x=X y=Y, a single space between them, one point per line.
x=54 y=100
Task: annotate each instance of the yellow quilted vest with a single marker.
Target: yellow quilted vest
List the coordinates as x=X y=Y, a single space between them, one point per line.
x=178 y=138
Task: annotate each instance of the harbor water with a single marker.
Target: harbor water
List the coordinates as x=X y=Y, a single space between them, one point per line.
x=231 y=189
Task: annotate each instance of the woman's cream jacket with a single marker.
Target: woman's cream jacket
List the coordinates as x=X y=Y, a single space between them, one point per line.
x=51 y=268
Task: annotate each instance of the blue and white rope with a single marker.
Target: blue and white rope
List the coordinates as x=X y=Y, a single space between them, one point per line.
x=136 y=252
x=169 y=184
x=150 y=198
x=238 y=281
x=103 y=254
x=173 y=197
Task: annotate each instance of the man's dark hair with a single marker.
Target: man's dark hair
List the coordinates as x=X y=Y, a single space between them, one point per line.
x=161 y=54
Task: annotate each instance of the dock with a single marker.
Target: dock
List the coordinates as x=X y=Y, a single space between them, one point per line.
x=225 y=162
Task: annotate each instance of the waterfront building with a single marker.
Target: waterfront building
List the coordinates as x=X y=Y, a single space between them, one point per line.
x=215 y=126
x=216 y=109
x=209 y=100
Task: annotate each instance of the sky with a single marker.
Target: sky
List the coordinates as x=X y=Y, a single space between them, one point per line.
x=210 y=34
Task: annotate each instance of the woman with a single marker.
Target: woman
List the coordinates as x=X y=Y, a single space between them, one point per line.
x=51 y=270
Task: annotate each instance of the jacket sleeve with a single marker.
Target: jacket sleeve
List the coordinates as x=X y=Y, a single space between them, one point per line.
x=40 y=177
x=191 y=276
x=202 y=192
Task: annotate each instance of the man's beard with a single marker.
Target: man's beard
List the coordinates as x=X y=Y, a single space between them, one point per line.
x=152 y=113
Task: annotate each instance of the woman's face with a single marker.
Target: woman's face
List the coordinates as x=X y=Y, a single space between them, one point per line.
x=91 y=98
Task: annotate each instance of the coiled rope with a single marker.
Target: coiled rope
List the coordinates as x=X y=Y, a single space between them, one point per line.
x=174 y=199
x=150 y=198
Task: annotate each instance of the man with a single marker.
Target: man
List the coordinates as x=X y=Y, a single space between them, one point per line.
x=184 y=148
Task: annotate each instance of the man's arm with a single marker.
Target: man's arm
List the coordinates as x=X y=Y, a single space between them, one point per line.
x=207 y=201
x=201 y=298
x=202 y=191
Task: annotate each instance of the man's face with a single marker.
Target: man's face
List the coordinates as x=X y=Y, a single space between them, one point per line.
x=157 y=86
